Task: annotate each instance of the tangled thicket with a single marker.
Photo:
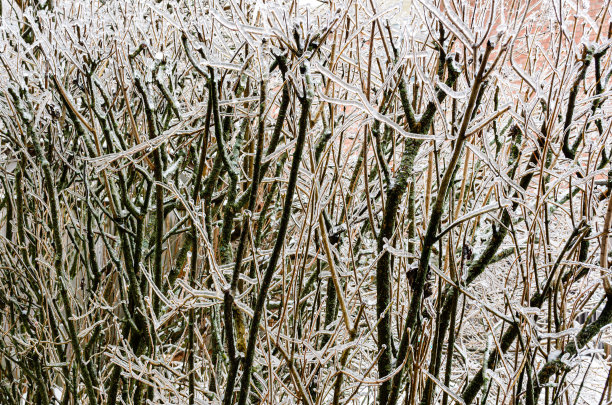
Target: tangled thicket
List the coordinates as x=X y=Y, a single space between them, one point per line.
x=336 y=202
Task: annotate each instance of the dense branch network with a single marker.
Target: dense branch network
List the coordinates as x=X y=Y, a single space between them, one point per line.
x=281 y=202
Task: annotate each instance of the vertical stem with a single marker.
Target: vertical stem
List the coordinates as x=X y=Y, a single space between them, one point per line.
x=58 y=246
x=305 y=101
